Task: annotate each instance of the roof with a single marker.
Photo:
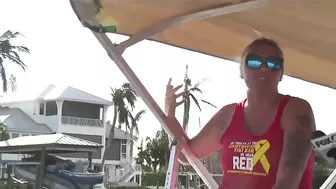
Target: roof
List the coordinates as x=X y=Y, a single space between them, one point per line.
x=17 y=120
x=118 y=133
x=69 y=93
x=55 y=143
x=52 y=92
x=306 y=30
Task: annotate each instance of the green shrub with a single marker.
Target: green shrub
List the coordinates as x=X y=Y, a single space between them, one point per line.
x=153 y=179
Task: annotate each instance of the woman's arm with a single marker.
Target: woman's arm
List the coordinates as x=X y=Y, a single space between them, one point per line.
x=298 y=124
x=207 y=140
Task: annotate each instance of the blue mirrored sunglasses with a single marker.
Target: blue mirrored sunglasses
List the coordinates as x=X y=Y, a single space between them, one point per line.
x=256 y=62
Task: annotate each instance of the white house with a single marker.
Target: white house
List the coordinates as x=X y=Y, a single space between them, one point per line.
x=73 y=112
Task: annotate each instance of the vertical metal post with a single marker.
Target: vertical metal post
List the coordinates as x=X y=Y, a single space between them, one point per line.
x=90 y=160
x=172 y=172
x=40 y=172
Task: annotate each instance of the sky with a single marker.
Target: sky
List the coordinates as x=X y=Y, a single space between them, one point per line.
x=65 y=53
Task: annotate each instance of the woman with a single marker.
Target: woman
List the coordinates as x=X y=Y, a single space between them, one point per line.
x=265 y=139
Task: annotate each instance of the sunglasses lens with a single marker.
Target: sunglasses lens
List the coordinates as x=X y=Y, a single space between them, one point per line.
x=256 y=64
x=274 y=64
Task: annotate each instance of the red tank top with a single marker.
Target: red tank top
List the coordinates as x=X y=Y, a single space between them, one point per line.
x=251 y=162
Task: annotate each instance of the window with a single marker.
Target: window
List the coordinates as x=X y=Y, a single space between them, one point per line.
x=123 y=141
x=15 y=135
x=97 y=168
x=25 y=135
x=42 y=108
x=51 y=108
x=123 y=149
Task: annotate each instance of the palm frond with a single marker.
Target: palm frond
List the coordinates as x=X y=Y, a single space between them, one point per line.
x=129 y=93
x=139 y=115
x=8 y=35
x=113 y=91
x=130 y=97
x=209 y=103
x=148 y=139
x=196 y=101
x=136 y=130
x=195 y=89
x=122 y=113
x=12 y=57
x=11 y=52
x=21 y=49
x=134 y=121
x=197 y=85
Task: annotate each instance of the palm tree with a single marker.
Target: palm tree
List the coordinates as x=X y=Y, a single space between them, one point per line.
x=143 y=158
x=189 y=94
x=121 y=110
x=134 y=129
x=189 y=90
x=164 y=143
x=155 y=156
x=154 y=149
x=10 y=52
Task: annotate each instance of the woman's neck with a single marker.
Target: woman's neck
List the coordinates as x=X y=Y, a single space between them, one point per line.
x=261 y=99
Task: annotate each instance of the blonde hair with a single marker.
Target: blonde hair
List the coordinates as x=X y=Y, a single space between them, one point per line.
x=262 y=41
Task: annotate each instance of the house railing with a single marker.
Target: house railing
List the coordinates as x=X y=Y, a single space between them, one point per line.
x=114 y=174
x=82 y=121
x=130 y=168
x=137 y=167
x=3 y=171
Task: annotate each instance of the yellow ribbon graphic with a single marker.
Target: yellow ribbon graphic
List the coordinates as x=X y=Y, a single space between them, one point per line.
x=260 y=149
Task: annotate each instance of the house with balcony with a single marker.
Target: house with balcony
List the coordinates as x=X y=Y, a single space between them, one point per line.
x=67 y=110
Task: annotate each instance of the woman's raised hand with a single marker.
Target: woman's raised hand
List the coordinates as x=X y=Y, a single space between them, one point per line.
x=171 y=99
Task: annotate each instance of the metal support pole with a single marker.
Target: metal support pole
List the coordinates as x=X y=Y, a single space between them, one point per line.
x=172 y=172
x=90 y=160
x=40 y=172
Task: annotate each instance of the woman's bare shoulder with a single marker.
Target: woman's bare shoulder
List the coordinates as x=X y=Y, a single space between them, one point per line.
x=228 y=110
x=224 y=116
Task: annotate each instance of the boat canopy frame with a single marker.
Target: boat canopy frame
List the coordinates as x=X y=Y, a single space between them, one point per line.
x=115 y=51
